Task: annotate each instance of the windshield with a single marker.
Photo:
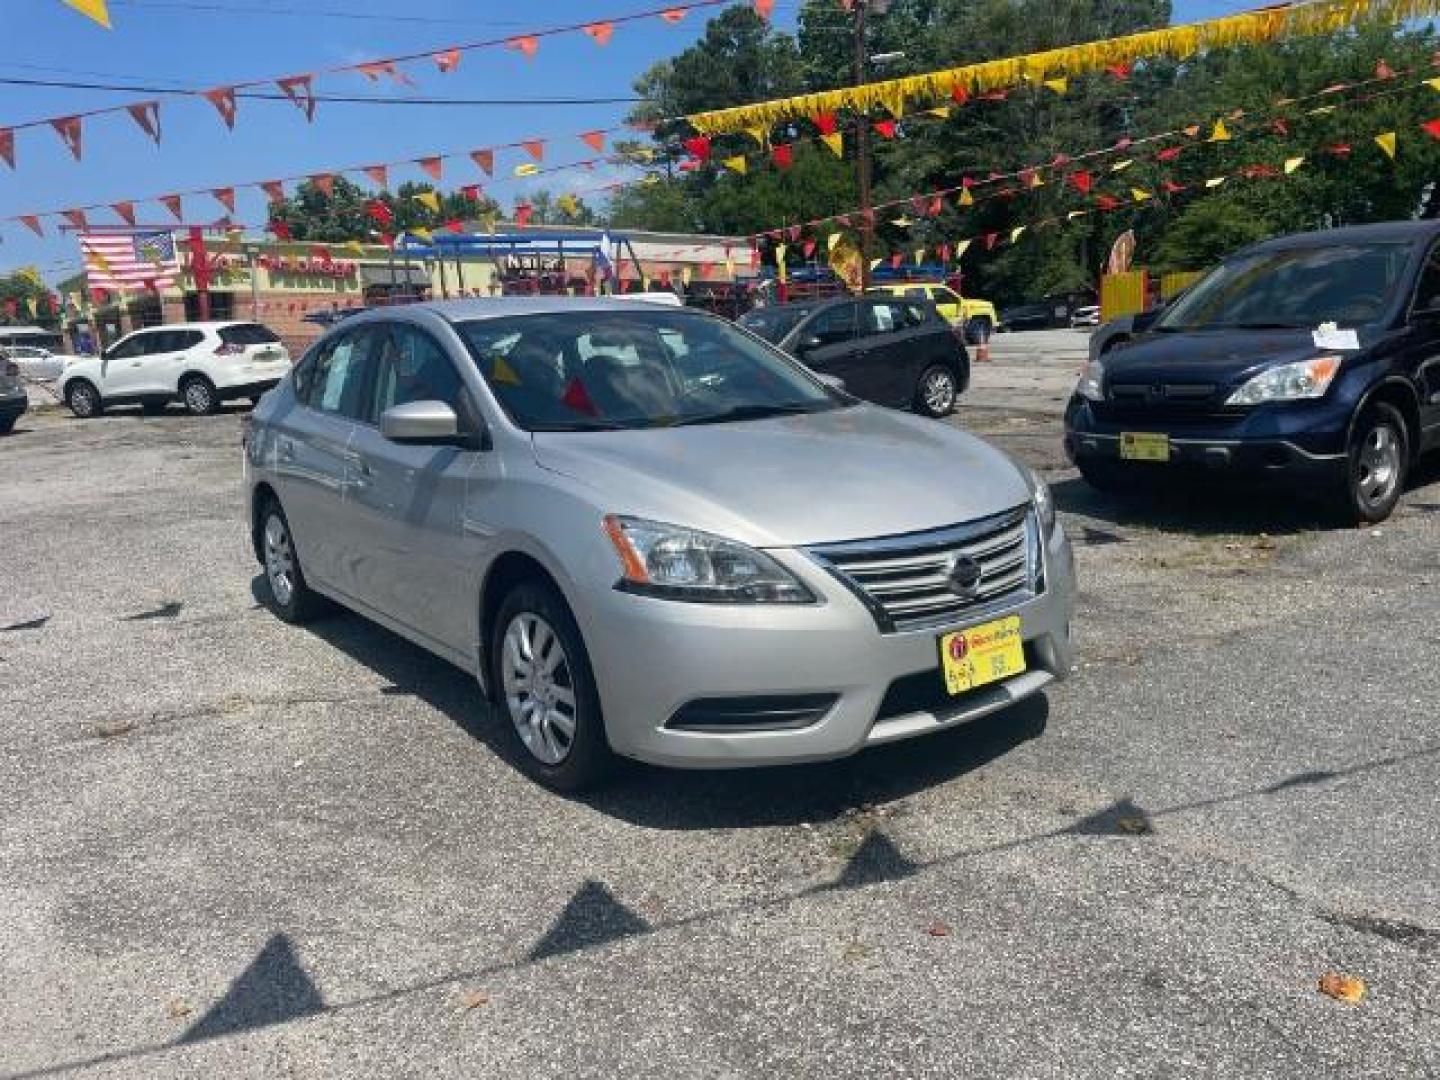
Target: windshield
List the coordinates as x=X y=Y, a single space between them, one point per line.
x=598 y=370
x=773 y=324
x=1349 y=285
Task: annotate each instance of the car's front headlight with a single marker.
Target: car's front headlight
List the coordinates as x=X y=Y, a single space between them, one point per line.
x=677 y=563
x=1288 y=382
x=1043 y=500
x=1092 y=382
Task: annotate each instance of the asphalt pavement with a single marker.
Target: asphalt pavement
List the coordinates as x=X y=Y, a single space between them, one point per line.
x=233 y=847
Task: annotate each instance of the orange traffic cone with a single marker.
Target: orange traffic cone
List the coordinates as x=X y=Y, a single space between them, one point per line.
x=982 y=352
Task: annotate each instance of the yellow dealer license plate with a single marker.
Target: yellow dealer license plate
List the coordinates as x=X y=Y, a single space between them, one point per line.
x=1138 y=446
x=983 y=654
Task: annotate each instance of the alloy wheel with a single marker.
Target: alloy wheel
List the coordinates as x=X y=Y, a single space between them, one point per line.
x=279 y=560
x=198 y=397
x=1379 y=465
x=539 y=688
x=939 y=392
x=82 y=400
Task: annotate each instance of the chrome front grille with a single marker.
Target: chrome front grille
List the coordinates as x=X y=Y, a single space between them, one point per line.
x=909 y=582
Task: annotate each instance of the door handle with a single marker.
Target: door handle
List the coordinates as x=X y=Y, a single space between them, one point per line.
x=287 y=450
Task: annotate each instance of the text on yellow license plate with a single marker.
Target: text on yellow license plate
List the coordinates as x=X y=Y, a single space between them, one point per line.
x=1140 y=446
x=982 y=654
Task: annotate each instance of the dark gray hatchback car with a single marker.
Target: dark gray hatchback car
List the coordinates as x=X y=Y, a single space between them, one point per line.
x=13 y=399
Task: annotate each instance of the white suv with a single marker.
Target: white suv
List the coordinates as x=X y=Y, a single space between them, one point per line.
x=199 y=364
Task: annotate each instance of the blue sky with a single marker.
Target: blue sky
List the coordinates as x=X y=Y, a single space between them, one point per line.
x=203 y=43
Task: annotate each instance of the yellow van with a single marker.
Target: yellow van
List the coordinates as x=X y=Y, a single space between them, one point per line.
x=977 y=317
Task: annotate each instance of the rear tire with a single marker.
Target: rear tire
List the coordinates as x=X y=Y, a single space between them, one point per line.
x=287 y=594
x=83 y=399
x=1377 y=462
x=544 y=691
x=198 y=394
x=936 y=391
x=7 y=425
x=1103 y=475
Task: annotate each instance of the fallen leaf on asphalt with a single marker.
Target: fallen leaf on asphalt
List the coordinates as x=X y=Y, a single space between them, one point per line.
x=178 y=1008
x=1342 y=987
x=855 y=950
x=1135 y=826
x=938 y=929
x=473 y=999
x=108 y=729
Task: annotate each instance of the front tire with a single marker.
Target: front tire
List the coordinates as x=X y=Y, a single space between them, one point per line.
x=83 y=399
x=543 y=688
x=936 y=391
x=198 y=394
x=1377 y=463
x=287 y=594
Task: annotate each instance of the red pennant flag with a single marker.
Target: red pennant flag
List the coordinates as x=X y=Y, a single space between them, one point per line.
x=1279 y=126
x=280 y=229
x=673 y=15
x=688 y=165
x=325 y=183
x=995 y=95
x=274 y=190
x=944 y=253
x=918 y=204
x=1170 y=153
x=298 y=89
x=1431 y=128
x=447 y=61
x=1125 y=143
x=223 y=98
x=172 y=203
x=99 y=296
x=432 y=165
x=454 y=225
x=471 y=192
x=1384 y=71
x=379 y=175
x=1120 y=72
x=380 y=212
x=809 y=248
x=32 y=223
x=68 y=128
x=576 y=397
x=825 y=122
x=1028 y=177
x=600 y=32
x=522 y=214
x=764 y=8
x=1340 y=149
x=7 y=146
x=959 y=94
x=595 y=140
x=1081 y=181
x=937 y=204
x=11 y=306
x=125 y=210
x=535 y=148
x=698 y=147
x=1259 y=172
x=990 y=239
x=793 y=233
x=526 y=44
x=484 y=160
x=1170 y=187
x=375 y=68
x=147 y=115
x=885 y=128
x=76 y=218
x=225 y=196
x=1106 y=202
x=781 y=155
x=1060 y=159
x=895 y=261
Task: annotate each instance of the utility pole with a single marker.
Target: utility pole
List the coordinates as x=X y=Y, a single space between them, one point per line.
x=862 y=152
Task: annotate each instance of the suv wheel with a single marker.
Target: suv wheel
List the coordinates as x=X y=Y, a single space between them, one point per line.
x=1379 y=458
x=542 y=685
x=936 y=392
x=83 y=399
x=289 y=596
x=199 y=396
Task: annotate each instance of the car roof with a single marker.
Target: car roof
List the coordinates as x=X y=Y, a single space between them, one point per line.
x=500 y=306
x=1378 y=233
x=211 y=325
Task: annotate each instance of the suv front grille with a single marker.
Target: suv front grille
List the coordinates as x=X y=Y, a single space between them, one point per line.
x=906 y=581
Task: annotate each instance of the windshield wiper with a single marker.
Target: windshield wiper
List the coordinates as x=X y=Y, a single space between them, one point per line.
x=744 y=412
x=1260 y=326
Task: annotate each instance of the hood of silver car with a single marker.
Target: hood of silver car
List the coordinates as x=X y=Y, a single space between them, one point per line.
x=845 y=474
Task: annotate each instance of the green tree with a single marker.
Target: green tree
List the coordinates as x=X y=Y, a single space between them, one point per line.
x=342 y=215
x=21 y=286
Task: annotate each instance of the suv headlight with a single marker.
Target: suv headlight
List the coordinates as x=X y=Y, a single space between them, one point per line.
x=676 y=563
x=1288 y=382
x=1043 y=500
x=1092 y=382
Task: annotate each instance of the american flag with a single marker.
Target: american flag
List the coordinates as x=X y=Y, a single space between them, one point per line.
x=129 y=260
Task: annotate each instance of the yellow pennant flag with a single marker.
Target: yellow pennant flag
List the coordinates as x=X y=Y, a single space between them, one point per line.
x=760 y=133
x=966 y=199
x=832 y=240
x=729 y=267
x=835 y=141
x=1215 y=181
x=94 y=9
x=961 y=247
x=875 y=262
x=423 y=234
x=1291 y=164
x=1121 y=166
x=736 y=164
x=1059 y=85
x=902 y=222
x=685 y=276
x=568 y=204
x=940 y=112
x=1073 y=214
x=504 y=373
x=894 y=102
x=1220 y=133
x=31 y=306
x=1015 y=233
x=353 y=245
x=1035 y=180
x=1321 y=110
x=645 y=283
x=1386 y=142
x=780 y=250
x=1434 y=84
x=1139 y=194
x=919 y=256
x=527 y=168
x=429 y=200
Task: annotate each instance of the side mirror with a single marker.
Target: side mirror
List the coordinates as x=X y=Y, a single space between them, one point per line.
x=421 y=423
x=808 y=342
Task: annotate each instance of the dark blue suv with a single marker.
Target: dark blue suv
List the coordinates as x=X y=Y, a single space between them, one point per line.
x=1313 y=360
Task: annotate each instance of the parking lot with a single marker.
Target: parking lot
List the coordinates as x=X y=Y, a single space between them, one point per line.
x=230 y=846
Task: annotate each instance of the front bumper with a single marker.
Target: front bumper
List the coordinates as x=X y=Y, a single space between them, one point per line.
x=651 y=658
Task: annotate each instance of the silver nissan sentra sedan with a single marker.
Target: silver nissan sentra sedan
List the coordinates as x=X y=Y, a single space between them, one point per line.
x=650 y=534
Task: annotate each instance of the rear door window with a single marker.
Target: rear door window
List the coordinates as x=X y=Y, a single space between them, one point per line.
x=248 y=334
x=336 y=385
x=135 y=345
x=834 y=325
x=885 y=317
